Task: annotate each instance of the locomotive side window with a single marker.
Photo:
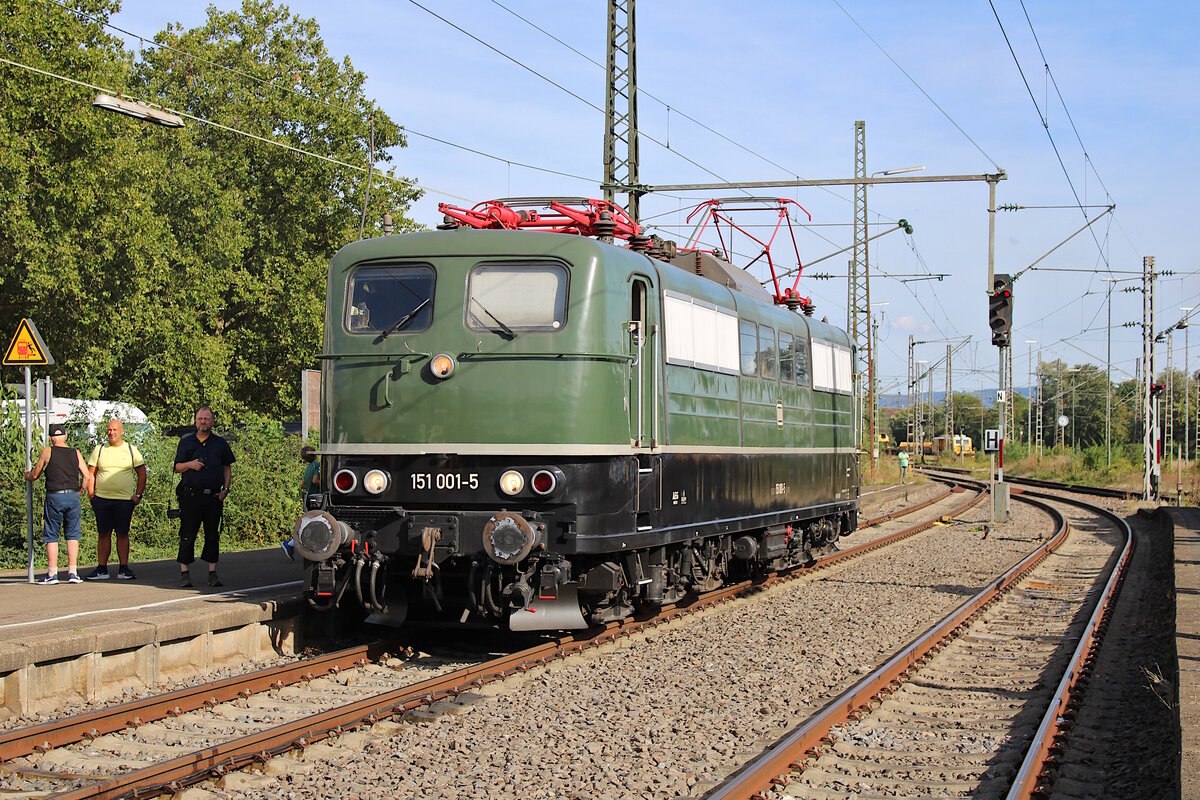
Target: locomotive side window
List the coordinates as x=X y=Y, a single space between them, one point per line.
x=392 y=298
x=758 y=354
x=768 y=356
x=700 y=335
x=800 y=357
x=748 y=337
x=787 y=358
x=517 y=296
x=832 y=368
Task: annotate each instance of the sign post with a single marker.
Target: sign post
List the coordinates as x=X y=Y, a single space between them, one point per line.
x=992 y=444
x=28 y=350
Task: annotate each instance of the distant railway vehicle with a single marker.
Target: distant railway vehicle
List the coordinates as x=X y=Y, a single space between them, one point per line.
x=958 y=444
x=525 y=425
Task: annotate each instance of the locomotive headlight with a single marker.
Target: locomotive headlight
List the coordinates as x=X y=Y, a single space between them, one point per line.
x=512 y=482
x=376 y=481
x=344 y=481
x=442 y=366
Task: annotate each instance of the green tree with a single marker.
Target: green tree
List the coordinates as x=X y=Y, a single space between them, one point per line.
x=64 y=187
x=176 y=267
x=253 y=266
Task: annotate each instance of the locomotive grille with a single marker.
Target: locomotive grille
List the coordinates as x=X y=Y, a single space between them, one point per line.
x=365 y=518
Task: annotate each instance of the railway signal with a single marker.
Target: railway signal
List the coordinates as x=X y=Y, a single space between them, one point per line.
x=1000 y=310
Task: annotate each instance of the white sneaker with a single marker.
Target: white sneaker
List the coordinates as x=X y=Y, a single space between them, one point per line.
x=50 y=580
x=73 y=578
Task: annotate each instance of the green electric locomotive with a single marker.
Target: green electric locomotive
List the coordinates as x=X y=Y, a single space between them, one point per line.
x=522 y=424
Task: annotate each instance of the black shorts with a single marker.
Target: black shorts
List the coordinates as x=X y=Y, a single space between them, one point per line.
x=112 y=515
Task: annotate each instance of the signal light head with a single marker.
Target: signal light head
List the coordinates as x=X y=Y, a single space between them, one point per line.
x=1000 y=309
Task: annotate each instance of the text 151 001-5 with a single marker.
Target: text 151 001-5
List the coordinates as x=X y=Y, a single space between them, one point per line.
x=444 y=481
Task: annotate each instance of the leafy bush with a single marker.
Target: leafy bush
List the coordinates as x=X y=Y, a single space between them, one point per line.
x=262 y=506
x=12 y=483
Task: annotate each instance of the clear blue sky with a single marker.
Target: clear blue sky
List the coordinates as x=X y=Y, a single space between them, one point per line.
x=782 y=83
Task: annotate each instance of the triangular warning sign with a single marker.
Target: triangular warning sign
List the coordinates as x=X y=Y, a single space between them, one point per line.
x=27 y=348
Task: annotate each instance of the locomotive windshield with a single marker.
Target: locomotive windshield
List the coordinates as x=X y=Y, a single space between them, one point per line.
x=390 y=299
x=517 y=296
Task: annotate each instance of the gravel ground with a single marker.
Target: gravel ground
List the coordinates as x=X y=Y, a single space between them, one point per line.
x=879 y=500
x=671 y=712
x=131 y=694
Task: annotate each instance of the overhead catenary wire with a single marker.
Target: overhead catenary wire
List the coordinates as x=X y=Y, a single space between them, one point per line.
x=913 y=81
x=218 y=125
x=324 y=101
x=642 y=92
x=1062 y=101
x=558 y=85
x=1044 y=121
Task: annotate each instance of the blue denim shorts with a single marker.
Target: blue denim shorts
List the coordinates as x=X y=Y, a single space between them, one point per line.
x=61 y=513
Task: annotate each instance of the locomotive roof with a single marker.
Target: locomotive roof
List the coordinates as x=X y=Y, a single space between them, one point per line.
x=720 y=271
x=464 y=241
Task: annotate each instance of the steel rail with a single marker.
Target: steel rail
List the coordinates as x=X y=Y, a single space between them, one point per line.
x=92 y=724
x=903 y=511
x=789 y=752
x=1039 y=755
x=172 y=774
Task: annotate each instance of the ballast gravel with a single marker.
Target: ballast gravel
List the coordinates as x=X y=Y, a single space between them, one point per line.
x=670 y=712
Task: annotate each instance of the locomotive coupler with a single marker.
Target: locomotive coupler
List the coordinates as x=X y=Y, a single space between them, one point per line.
x=430 y=536
x=552 y=575
x=325 y=579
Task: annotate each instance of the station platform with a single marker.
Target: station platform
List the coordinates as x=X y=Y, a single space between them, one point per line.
x=1187 y=642
x=94 y=639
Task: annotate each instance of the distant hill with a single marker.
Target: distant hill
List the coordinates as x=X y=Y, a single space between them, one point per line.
x=988 y=396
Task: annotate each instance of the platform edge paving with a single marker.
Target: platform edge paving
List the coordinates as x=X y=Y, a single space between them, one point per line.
x=43 y=671
x=1186 y=525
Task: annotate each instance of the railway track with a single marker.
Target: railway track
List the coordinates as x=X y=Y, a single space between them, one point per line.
x=163 y=743
x=1097 y=491
x=974 y=706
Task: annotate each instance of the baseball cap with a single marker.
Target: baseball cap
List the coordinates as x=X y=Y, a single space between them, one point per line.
x=57 y=429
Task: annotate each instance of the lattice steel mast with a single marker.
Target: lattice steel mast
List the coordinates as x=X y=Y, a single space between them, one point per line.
x=949 y=400
x=620 y=105
x=858 y=283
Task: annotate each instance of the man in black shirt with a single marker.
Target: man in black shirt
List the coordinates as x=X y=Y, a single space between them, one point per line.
x=202 y=461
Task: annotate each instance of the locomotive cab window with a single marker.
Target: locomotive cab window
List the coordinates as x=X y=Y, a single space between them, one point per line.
x=392 y=298
x=517 y=296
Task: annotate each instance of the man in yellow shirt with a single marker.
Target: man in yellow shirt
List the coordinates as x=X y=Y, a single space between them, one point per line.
x=119 y=474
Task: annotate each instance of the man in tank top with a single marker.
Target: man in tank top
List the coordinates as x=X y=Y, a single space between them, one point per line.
x=63 y=466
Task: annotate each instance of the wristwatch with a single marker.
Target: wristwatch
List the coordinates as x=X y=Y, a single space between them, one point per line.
x=138 y=495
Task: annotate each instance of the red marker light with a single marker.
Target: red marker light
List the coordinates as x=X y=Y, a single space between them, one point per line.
x=345 y=481
x=543 y=482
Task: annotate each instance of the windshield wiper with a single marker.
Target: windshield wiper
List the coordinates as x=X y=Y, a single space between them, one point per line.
x=504 y=331
x=407 y=318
